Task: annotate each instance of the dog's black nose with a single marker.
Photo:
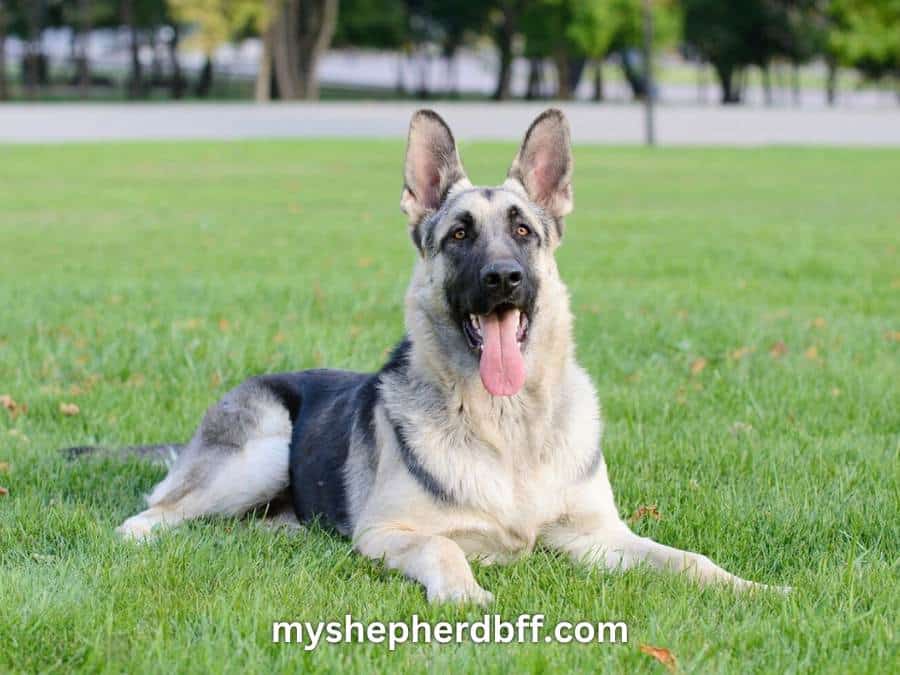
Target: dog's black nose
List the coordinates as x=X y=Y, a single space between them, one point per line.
x=502 y=276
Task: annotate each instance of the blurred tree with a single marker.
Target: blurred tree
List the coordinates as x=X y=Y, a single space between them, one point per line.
x=83 y=16
x=593 y=30
x=34 y=62
x=733 y=35
x=803 y=38
x=456 y=22
x=376 y=24
x=545 y=25
x=301 y=32
x=504 y=17
x=865 y=34
x=571 y=31
x=5 y=19
x=379 y=24
x=216 y=22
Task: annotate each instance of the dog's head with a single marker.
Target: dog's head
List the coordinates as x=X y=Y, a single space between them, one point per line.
x=486 y=253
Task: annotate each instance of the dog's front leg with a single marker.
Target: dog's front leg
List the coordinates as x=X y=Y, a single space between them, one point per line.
x=436 y=562
x=616 y=547
x=592 y=531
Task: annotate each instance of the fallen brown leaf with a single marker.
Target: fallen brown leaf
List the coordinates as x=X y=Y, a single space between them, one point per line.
x=778 y=350
x=661 y=654
x=645 y=512
x=69 y=409
x=15 y=409
x=740 y=353
x=698 y=365
x=3 y=491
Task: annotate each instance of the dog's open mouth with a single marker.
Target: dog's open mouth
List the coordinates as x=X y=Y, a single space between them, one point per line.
x=499 y=337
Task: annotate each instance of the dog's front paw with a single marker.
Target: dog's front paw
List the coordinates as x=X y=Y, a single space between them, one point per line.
x=460 y=594
x=137 y=528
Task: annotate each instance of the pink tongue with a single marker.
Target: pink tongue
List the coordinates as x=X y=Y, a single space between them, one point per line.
x=502 y=367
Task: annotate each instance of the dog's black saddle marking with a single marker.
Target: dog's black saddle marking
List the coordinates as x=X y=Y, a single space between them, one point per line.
x=323 y=405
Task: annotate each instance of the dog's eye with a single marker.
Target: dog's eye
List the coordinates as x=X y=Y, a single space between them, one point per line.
x=523 y=230
x=459 y=233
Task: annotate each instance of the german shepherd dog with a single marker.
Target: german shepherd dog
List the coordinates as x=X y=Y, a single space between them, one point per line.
x=480 y=437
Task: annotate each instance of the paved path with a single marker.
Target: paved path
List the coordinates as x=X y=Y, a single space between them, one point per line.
x=677 y=125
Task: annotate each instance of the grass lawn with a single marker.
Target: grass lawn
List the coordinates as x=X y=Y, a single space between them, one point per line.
x=738 y=310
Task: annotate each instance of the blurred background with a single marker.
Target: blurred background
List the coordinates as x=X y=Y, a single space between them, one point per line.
x=705 y=52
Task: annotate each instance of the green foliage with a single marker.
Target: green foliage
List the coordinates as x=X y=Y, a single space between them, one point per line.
x=545 y=25
x=380 y=24
x=595 y=28
x=218 y=21
x=866 y=35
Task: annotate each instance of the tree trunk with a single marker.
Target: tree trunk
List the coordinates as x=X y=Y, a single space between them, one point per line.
x=563 y=81
x=831 y=82
x=795 y=82
x=263 y=89
x=701 y=82
x=575 y=69
x=177 y=83
x=401 y=63
x=725 y=73
x=598 y=81
x=284 y=50
x=636 y=80
x=33 y=52
x=156 y=66
x=317 y=22
x=766 y=84
x=424 y=67
x=506 y=31
x=535 y=78
x=4 y=92
x=452 y=74
x=568 y=74
x=204 y=83
x=83 y=64
x=135 y=78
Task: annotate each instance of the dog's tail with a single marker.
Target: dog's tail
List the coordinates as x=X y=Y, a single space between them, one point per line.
x=164 y=454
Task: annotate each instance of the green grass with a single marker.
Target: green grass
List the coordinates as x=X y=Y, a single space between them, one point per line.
x=140 y=281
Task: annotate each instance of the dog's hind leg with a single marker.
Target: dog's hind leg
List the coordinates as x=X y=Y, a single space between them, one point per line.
x=237 y=460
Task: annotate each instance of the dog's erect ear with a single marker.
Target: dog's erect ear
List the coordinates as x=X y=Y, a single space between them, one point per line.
x=432 y=166
x=544 y=163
